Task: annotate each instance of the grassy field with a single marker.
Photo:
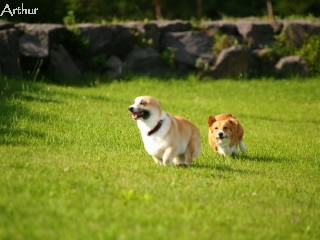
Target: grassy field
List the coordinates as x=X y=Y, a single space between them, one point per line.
x=72 y=164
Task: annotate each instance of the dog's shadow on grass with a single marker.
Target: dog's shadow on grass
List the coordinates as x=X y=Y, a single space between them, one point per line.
x=225 y=163
x=256 y=158
x=226 y=168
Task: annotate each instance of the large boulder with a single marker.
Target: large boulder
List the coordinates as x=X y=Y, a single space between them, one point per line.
x=9 y=52
x=264 y=62
x=145 y=61
x=173 y=26
x=113 y=67
x=221 y=27
x=122 y=41
x=146 y=34
x=38 y=39
x=256 y=34
x=97 y=38
x=232 y=63
x=61 y=66
x=106 y=39
x=292 y=66
x=6 y=25
x=188 y=46
x=296 y=31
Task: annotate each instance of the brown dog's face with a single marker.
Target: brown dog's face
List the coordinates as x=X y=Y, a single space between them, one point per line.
x=221 y=130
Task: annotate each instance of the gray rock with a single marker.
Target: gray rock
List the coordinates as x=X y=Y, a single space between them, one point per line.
x=188 y=46
x=113 y=67
x=223 y=27
x=122 y=41
x=107 y=39
x=292 y=66
x=98 y=38
x=9 y=52
x=6 y=25
x=256 y=34
x=145 y=61
x=173 y=26
x=297 y=31
x=264 y=62
x=38 y=38
x=61 y=66
x=232 y=62
x=146 y=33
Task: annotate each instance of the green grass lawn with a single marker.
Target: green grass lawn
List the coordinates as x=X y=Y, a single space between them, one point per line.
x=72 y=163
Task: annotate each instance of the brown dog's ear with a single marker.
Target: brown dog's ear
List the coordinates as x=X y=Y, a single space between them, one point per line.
x=233 y=121
x=211 y=120
x=234 y=138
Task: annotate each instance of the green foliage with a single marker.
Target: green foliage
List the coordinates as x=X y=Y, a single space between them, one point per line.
x=169 y=56
x=97 y=62
x=310 y=51
x=73 y=164
x=201 y=65
x=141 y=40
x=70 y=19
x=223 y=41
x=282 y=46
x=296 y=7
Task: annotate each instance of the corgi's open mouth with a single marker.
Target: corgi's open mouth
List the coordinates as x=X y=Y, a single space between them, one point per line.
x=140 y=114
x=136 y=115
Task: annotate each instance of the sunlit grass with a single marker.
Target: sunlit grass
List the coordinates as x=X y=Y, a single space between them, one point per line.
x=73 y=164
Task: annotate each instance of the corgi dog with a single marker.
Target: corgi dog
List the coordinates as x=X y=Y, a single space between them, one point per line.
x=170 y=140
x=225 y=134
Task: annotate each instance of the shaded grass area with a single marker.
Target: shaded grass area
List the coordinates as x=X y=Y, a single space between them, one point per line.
x=73 y=165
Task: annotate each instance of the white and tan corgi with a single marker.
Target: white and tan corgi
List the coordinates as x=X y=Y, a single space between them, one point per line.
x=225 y=134
x=170 y=140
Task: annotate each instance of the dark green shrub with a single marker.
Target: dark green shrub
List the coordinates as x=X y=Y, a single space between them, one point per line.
x=310 y=51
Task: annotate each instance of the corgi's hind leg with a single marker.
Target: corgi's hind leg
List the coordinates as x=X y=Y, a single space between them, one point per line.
x=243 y=147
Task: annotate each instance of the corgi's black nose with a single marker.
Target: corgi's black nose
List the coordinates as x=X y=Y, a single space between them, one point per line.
x=130 y=109
x=220 y=134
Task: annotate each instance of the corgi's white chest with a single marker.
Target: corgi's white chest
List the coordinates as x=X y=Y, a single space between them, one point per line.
x=225 y=149
x=156 y=143
x=155 y=146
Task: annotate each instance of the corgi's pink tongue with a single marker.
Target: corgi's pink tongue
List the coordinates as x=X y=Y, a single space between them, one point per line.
x=136 y=115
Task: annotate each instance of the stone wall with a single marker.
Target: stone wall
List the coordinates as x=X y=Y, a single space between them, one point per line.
x=154 y=48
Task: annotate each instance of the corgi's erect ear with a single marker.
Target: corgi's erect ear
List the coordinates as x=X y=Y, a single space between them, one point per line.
x=211 y=120
x=233 y=121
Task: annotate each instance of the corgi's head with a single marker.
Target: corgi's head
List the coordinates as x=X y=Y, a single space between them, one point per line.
x=145 y=108
x=222 y=130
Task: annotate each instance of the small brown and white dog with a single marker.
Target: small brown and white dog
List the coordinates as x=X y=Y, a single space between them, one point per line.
x=225 y=134
x=170 y=140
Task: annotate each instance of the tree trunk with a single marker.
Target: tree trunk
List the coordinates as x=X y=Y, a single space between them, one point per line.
x=270 y=10
x=157 y=8
x=199 y=9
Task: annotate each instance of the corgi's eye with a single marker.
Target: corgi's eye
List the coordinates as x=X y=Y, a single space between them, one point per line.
x=216 y=128
x=225 y=128
x=143 y=103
